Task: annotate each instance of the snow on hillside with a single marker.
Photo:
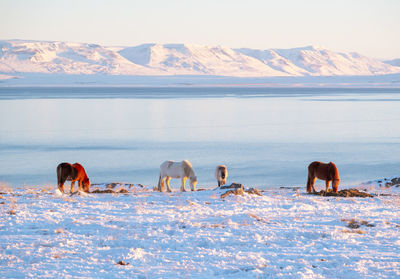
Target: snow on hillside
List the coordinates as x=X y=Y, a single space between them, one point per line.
x=394 y=62
x=275 y=61
x=317 y=61
x=285 y=233
x=18 y=56
x=67 y=58
x=180 y=59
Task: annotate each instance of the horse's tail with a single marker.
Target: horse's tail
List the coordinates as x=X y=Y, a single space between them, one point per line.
x=60 y=180
x=308 y=184
x=59 y=175
x=159 y=183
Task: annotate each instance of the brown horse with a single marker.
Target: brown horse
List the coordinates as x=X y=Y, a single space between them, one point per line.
x=327 y=172
x=75 y=172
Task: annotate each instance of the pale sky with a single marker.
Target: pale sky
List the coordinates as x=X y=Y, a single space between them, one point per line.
x=370 y=27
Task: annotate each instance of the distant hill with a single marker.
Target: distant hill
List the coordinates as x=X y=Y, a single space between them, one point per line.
x=394 y=62
x=18 y=57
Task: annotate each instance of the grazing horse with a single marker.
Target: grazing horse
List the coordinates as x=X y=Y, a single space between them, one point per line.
x=221 y=174
x=323 y=171
x=75 y=172
x=171 y=169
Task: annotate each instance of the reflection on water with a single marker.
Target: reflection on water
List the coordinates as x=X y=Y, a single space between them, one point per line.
x=265 y=136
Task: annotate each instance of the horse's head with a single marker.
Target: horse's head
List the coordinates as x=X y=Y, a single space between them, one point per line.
x=335 y=185
x=193 y=182
x=334 y=176
x=86 y=185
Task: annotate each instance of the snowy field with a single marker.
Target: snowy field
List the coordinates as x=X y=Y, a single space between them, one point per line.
x=285 y=233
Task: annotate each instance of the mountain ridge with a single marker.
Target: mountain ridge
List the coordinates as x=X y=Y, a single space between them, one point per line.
x=154 y=59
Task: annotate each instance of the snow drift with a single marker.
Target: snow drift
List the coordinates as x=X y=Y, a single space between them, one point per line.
x=285 y=233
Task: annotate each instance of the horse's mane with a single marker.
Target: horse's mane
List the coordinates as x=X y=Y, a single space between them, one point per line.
x=79 y=169
x=187 y=168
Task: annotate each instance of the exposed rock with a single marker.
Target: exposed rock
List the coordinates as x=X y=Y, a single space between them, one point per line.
x=253 y=191
x=237 y=191
x=354 y=231
x=12 y=212
x=355 y=224
x=109 y=191
x=393 y=182
x=234 y=185
x=122 y=263
x=111 y=185
x=346 y=193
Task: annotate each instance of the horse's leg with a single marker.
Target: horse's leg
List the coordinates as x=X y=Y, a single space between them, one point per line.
x=183 y=189
x=80 y=185
x=72 y=186
x=192 y=186
x=335 y=184
x=163 y=184
x=313 y=183
x=167 y=182
x=327 y=184
x=310 y=183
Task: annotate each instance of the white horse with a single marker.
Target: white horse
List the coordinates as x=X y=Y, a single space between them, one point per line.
x=171 y=169
x=221 y=174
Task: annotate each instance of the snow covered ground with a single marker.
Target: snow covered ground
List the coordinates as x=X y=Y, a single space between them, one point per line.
x=283 y=234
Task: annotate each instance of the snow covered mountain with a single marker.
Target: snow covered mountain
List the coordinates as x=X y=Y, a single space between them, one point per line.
x=316 y=61
x=17 y=56
x=180 y=59
x=66 y=58
x=394 y=62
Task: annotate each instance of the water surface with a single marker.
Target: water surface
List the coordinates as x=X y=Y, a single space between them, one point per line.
x=266 y=136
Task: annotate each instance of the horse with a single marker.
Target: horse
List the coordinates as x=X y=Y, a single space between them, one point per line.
x=75 y=172
x=221 y=174
x=171 y=169
x=323 y=171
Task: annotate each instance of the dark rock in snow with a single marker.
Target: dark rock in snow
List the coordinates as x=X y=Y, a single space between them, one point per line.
x=393 y=182
x=253 y=191
x=346 y=193
x=238 y=189
x=234 y=185
x=109 y=191
x=122 y=263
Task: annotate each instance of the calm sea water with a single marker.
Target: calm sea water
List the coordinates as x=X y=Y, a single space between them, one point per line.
x=266 y=136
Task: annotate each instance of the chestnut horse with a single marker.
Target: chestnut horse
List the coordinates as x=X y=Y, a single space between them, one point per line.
x=323 y=171
x=75 y=172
